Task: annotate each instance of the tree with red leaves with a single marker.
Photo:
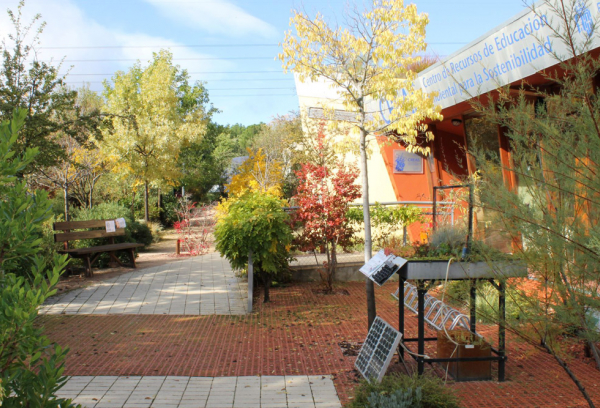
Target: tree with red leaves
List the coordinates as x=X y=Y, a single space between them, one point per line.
x=325 y=189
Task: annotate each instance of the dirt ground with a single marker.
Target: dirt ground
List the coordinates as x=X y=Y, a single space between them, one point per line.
x=156 y=254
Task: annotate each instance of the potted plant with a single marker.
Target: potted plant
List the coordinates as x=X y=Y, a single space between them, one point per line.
x=432 y=260
x=464 y=344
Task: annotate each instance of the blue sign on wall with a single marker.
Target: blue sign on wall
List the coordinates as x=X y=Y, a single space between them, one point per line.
x=405 y=162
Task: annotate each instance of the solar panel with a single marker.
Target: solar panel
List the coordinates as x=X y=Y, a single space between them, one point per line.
x=377 y=350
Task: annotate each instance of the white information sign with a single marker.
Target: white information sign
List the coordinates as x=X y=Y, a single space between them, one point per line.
x=110 y=226
x=374 y=263
x=382 y=267
x=120 y=223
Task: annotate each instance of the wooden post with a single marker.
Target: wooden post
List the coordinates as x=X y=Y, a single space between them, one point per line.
x=250 y=281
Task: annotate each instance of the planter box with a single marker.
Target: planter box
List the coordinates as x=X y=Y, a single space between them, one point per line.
x=463 y=270
x=465 y=370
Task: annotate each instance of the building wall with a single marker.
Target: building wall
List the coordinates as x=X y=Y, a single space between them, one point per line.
x=380 y=185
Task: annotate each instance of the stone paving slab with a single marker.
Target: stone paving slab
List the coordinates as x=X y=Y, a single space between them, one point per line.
x=295 y=391
x=201 y=285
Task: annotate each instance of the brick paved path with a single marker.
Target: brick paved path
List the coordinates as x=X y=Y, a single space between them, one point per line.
x=202 y=285
x=202 y=392
x=298 y=333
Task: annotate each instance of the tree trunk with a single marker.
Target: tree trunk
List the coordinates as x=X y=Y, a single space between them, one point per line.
x=570 y=374
x=159 y=203
x=66 y=196
x=332 y=267
x=133 y=203
x=370 y=289
x=91 y=197
x=146 y=209
x=266 y=284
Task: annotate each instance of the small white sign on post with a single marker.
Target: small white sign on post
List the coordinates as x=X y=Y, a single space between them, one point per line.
x=110 y=226
x=120 y=222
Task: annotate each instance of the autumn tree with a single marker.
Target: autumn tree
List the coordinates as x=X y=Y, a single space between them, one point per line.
x=325 y=189
x=155 y=112
x=89 y=156
x=368 y=60
x=82 y=164
x=258 y=173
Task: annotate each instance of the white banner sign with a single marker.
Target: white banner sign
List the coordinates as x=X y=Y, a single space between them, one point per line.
x=516 y=50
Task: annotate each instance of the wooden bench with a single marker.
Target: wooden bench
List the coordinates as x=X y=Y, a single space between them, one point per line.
x=95 y=229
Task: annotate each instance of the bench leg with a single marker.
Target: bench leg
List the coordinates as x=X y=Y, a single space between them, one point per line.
x=115 y=260
x=132 y=256
x=89 y=271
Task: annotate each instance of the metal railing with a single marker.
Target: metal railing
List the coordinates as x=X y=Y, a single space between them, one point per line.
x=444 y=210
x=436 y=313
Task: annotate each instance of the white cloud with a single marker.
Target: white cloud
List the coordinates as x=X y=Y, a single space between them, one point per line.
x=67 y=25
x=216 y=17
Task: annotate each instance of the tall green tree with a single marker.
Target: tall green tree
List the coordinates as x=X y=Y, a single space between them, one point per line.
x=155 y=112
x=554 y=214
x=204 y=164
x=244 y=135
x=38 y=89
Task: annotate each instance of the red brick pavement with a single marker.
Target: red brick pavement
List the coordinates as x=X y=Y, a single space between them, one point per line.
x=298 y=333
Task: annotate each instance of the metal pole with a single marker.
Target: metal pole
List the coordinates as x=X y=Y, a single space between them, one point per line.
x=421 y=325
x=470 y=232
x=433 y=218
x=250 y=281
x=473 y=306
x=401 y=282
x=502 y=330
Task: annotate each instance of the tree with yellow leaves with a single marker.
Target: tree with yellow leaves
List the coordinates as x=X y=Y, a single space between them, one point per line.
x=155 y=112
x=259 y=173
x=368 y=62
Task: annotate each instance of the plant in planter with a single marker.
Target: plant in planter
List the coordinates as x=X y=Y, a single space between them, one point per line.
x=464 y=344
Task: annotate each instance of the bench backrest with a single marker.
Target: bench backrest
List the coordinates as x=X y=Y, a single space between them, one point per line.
x=99 y=232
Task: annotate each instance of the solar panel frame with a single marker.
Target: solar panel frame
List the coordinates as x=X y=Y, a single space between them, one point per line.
x=378 y=349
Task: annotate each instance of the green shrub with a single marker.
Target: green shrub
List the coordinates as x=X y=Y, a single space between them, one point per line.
x=256 y=222
x=447 y=240
x=135 y=231
x=31 y=368
x=397 y=399
x=22 y=211
x=486 y=302
x=168 y=213
x=434 y=394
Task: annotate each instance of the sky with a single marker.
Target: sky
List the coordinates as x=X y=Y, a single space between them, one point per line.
x=231 y=45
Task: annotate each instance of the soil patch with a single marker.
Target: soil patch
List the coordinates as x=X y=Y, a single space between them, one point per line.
x=350 y=348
